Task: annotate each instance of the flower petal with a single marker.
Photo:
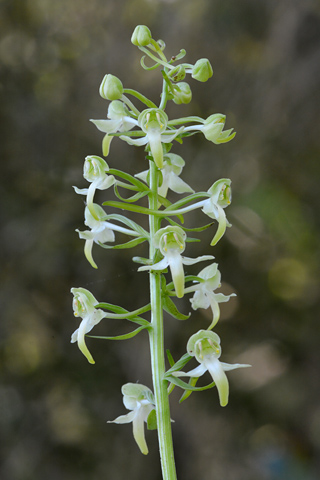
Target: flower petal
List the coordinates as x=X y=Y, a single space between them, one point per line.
x=138 y=431
x=157 y=266
x=196 y=372
x=154 y=139
x=124 y=418
x=192 y=261
x=219 y=377
x=176 y=266
x=81 y=340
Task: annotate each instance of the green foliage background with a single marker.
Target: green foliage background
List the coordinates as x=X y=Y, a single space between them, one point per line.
x=53 y=404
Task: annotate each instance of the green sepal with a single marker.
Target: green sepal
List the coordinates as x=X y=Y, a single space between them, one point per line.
x=186 y=386
x=129 y=244
x=187 y=393
x=126 y=336
x=171 y=308
x=152 y=420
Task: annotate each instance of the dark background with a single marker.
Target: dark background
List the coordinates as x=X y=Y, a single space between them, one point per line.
x=54 y=405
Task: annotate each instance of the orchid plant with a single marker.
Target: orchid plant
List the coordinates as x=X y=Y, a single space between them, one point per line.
x=166 y=237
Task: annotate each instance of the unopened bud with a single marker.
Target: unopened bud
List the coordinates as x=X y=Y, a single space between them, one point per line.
x=182 y=94
x=202 y=70
x=111 y=88
x=141 y=36
x=178 y=73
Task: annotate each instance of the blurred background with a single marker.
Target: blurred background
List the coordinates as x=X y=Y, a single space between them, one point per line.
x=54 y=405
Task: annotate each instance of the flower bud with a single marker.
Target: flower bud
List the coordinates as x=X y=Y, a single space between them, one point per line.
x=141 y=36
x=178 y=73
x=111 y=88
x=182 y=94
x=202 y=70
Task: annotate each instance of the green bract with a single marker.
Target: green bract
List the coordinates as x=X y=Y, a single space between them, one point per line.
x=111 y=88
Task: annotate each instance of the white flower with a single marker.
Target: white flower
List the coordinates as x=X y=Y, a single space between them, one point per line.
x=220 y=198
x=205 y=346
x=100 y=231
x=94 y=171
x=119 y=121
x=171 y=243
x=212 y=129
x=83 y=307
x=172 y=168
x=138 y=398
x=204 y=295
x=153 y=122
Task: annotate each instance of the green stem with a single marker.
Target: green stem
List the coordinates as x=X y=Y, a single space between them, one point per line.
x=157 y=346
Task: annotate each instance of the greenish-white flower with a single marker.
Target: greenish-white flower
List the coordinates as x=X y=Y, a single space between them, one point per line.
x=84 y=307
x=119 y=121
x=204 y=292
x=212 y=129
x=100 y=231
x=214 y=207
x=171 y=242
x=95 y=171
x=205 y=347
x=172 y=168
x=153 y=123
x=139 y=399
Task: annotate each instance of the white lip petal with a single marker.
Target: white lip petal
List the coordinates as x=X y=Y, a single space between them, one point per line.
x=81 y=340
x=219 y=377
x=176 y=266
x=138 y=431
x=154 y=138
